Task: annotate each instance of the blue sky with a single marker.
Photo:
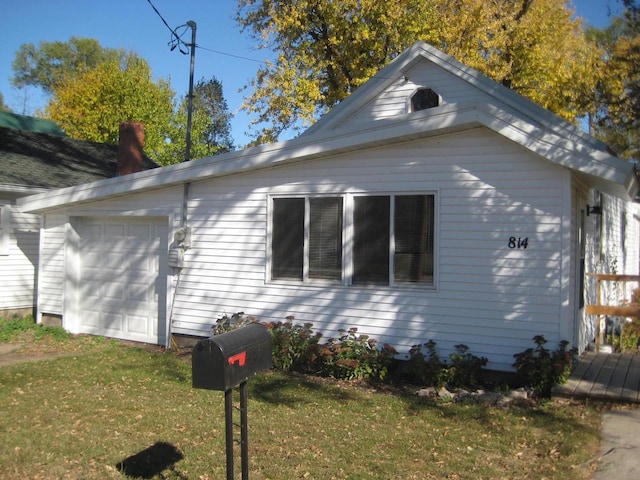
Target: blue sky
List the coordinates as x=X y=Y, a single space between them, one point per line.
x=226 y=52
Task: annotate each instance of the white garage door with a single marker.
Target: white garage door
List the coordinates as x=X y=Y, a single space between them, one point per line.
x=123 y=277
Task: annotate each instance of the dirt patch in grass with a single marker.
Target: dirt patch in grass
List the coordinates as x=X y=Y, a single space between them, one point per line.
x=11 y=356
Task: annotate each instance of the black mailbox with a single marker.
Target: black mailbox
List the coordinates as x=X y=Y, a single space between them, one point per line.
x=224 y=361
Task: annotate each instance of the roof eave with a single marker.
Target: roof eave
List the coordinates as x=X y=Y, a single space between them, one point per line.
x=449 y=118
x=21 y=189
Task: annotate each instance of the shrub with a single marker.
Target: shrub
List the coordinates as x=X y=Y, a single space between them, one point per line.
x=226 y=324
x=541 y=369
x=465 y=368
x=353 y=356
x=295 y=347
x=462 y=371
x=630 y=336
x=427 y=370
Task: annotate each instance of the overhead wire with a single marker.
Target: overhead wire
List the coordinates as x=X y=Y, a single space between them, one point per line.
x=176 y=41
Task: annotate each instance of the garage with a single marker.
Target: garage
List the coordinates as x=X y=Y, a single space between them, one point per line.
x=122 y=277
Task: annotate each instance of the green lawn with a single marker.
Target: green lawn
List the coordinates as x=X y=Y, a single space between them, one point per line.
x=116 y=411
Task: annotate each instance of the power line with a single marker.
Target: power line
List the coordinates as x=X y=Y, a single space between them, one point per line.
x=230 y=55
x=176 y=41
x=163 y=20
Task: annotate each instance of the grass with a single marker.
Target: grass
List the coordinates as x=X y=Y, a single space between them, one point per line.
x=113 y=411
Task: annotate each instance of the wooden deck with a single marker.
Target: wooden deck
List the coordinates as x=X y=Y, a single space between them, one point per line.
x=606 y=376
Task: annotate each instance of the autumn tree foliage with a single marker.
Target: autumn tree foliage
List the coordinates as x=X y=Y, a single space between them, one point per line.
x=616 y=113
x=93 y=88
x=91 y=105
x=326 y=49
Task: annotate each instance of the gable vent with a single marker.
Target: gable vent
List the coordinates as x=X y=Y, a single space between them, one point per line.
x=424 y=98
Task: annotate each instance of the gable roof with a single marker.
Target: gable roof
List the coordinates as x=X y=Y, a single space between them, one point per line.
x=508 y=114
x=38 y=160
x=400 y=67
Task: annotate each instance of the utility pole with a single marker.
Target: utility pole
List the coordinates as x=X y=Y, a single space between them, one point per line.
x=192 y=45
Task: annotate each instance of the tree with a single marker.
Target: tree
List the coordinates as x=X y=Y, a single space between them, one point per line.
x=3 y=107
x=326 y=49
x=208 y=99
x=617 y=104
x=49 y=63
x=91 y=105
x=210 y=125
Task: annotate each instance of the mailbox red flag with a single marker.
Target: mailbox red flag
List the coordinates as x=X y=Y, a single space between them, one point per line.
x=239 y=358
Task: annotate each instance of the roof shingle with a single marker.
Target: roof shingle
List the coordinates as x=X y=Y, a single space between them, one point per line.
x=31 y=159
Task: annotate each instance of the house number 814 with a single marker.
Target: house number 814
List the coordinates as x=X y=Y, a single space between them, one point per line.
x=518 y=242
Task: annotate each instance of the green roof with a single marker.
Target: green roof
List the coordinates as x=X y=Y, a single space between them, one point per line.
x=29 y=124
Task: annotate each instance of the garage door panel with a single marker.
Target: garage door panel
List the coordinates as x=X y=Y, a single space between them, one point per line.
x=90 y=231
x=141 y=231
x=138 y=324
x=113 y=263
x=91 y=319
x=140 y=293
x=113 y=323
x=113 y=291
x=116 y=230
x=120 y=277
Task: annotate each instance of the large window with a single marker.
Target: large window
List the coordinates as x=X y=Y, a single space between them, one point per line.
x=307 y=238
x=390 y=239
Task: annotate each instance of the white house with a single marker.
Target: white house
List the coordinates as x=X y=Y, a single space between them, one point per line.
x=431 y=204
x=36 y=157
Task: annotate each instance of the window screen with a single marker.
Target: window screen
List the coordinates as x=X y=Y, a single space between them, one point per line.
x=413 y=232
x=371 y=239
x=288 y=238
x=325 y=238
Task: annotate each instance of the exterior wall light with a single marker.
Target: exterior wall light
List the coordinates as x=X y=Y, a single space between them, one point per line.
x=594 y=210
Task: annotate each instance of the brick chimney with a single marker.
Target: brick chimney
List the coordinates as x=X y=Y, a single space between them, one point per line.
x=131 y=143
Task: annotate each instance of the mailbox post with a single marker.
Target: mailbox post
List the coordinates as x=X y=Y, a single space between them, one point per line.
x=225 y=361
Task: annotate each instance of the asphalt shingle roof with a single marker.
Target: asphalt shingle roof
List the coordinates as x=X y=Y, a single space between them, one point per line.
x=31 y=159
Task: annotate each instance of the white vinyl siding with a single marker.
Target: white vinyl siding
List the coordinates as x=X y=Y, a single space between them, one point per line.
x=51 y=275
x=20 y=258
x=5 y=228
x=396 y=100
x=489 y=296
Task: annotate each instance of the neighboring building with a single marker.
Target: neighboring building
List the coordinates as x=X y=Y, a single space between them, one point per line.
x=29 y=124
x=37 y=160
x=433 y=203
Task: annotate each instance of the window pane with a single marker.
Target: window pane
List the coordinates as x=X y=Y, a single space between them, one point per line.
x=371 y=240
x=288 y=238
x=413 y=232
x=325 y=238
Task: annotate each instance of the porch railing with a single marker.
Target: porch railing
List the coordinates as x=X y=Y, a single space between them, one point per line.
x=630 y=310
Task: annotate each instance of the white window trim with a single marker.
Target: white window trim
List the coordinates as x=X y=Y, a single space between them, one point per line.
x=5 y=228
x=347 y=241
x=409 y=100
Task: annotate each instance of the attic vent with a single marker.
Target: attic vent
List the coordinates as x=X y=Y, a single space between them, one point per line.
x=424 y=98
